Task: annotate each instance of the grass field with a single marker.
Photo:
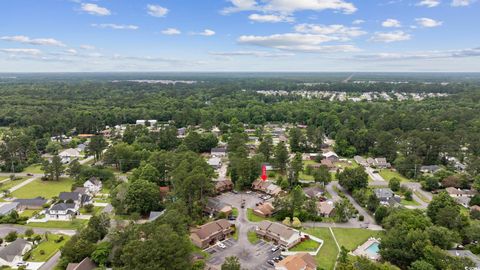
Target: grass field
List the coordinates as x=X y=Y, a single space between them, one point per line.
x=252 y=237
x=9 y=184
x=49 y=247
x=29 y=213
x=95 y=210
x=254 y=218
x=308 y=246
x=46 y=189
x=388 y=174
x=409 y=203
x=74 y=224
x=327 y=255
x=34 y=168
x=352 y=238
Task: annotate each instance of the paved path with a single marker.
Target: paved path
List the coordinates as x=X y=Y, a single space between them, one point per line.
x=50 y=264
x=6 y=228
x=376 y=177
x=22 y=184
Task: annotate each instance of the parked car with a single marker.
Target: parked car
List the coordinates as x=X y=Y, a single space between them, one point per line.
x=232 y=217
x=271 y=262
x=275 y=248
x=29 y=174
x=221 y=245
x=234 y=192
x=248 y=192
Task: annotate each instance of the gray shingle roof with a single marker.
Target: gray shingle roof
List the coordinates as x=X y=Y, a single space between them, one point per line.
x=13 y=249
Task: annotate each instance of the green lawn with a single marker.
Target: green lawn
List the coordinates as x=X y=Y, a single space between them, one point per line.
x=49 y=247
x=235 y=212
x=46 y=189
x=328 y=253
x=95 y=210
x=307 y=246
x=254 y=218
x=74 y=224
x=409 y=203
x=9 y=184
x=388 y=174
x=235 y=234
x=29 y=213
x=352 y=238
x=421 y=196
x=252 y=237
x=34 y=168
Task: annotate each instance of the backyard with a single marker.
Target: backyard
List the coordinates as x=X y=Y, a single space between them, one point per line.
x=74 y=224
x=307 y=246
x=388 y=174
x=46 y=189
x=254 y=218
x=349 y=238
x=46 y=249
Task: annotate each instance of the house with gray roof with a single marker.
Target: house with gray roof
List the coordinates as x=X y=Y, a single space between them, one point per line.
x=85 y=264
x=76 y=197
x=386 y=196
x=30 y=204
x=7 y=208
x=62 y=211
x=13 y=253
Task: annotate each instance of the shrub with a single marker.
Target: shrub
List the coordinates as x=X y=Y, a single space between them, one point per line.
x=42 y=252
x=361 y=218
x=88 y=208
x=11 y=236
x=29 y=232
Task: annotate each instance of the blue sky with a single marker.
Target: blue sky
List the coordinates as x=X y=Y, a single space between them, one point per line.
x=239 y=35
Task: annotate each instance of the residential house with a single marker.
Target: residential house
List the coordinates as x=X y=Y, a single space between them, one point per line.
x=62 y=211
x=266 y=187
x=454 y=192
x=210 y=233
x=218 y=152
x=93 y=185
x=325 y=209
x=155 y=214
x=77 y=198
x=332 y=156
x=214 y=206
x=85 y=264
x=299 y=261
x=386 y=196
x=13 y=253
x=223 y=185
x=141 y=122
x=278 y=233
x=181 y=132
x=430 y=169
x=361 y=161
x=314 y=192
x=264 y=210
x=7 y=208
x=164 y=191
x=380 y=163
x=68 y=155
x=215 y=162
x=30 y=204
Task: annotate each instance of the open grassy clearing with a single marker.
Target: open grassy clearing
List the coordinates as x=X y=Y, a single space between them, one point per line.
x=46 y=189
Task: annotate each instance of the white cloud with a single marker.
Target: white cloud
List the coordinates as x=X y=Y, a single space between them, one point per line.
x=34 y=41
x=252 y=53
x=462 y=3
x=71 y=51
x=337 y=30
x=289 y=6
x=87 y=47
x=270 y=18
x=391 y=23
x=17 y=51
x=116 y=26
x=95 y=9
x=427 y=22
x=206 y=32
x=463 y=53
x=357 y=22
x=428 y=3
x=388 y=37
x=171 y=31
x=297 y=42
x=157 y=11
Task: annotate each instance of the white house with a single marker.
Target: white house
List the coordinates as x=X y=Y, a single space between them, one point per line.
x=215 y=162
x=70 y=154
x=332 y=156
x=93 y=185
x=62 y=211
x=141 y=122
x=13 y=253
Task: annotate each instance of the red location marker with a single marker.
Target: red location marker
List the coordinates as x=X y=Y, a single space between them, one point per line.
x=264 y=172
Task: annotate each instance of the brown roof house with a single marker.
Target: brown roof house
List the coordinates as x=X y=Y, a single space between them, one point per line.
x=85 y=264
x=325 y=209
x=210 y=233
x=300 y=261
x=215 y=206
x=264 y=210
x=278 y=233
x=223 y=185
x=266 y=187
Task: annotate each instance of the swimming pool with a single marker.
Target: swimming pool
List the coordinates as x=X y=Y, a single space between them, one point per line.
x=373 y=249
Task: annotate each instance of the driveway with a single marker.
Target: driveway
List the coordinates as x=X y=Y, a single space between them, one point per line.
x=376 y=177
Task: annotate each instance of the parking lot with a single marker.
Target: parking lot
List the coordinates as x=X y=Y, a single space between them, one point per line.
x=251 y=257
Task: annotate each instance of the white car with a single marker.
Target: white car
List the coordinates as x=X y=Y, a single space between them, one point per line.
x=221 y=245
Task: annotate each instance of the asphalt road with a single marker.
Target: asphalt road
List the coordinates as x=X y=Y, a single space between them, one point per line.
x=6 y=228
